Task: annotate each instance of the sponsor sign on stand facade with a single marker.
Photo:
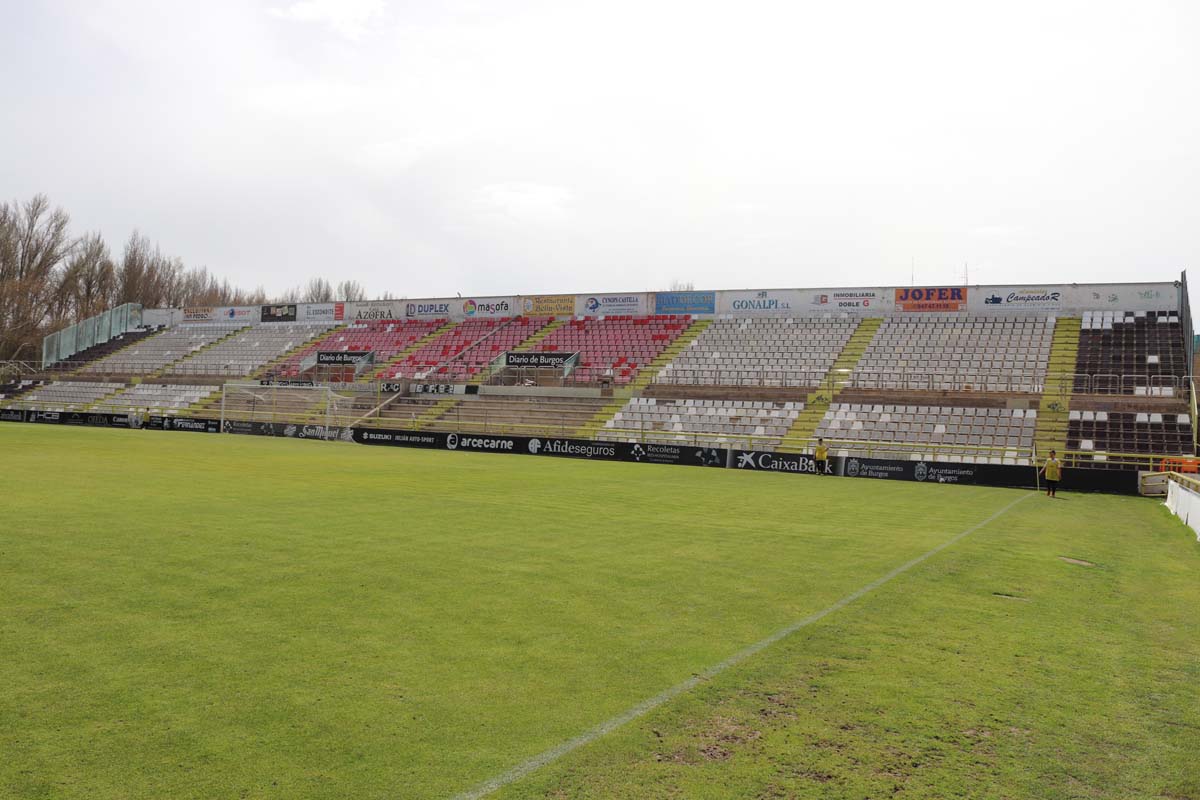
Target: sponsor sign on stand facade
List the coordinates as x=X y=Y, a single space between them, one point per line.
x=344 y=357
x=427 y=309
x=320 y=312
x=537 y=360
x=486 y=308
x=1122 y=297
x=279 y=313
x=548 y=305
x=852 y=301
x=993 y=299
x=238 y=314
x=442 y=388
x=765 y=303
x=370 y=310
x=607 y=305
x=931 y=298
x=685 y=303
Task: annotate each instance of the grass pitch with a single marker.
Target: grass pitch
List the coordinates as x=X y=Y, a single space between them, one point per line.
x=194 y=616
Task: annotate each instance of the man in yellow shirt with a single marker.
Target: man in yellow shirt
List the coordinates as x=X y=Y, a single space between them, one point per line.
x=1052 y=469
x=820 y=456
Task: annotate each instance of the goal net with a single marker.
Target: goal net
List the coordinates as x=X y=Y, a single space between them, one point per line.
x=307 y=412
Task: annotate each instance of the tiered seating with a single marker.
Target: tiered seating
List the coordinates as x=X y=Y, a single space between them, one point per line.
x=156 y=352
x=707 y=422
x=1127 y=352
x=97 y=351
x=533 y=416
x=247 y=351
x=385 y=338
x=956 y=352
x=761 y=352
x=1129 y=432
x=959 y=433
x=170 y=397
x=63 y=395
x=614 y=347
x=12 y=389
x=456 y=356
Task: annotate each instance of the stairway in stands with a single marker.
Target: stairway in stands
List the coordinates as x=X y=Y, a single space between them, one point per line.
x=644 y=378
x=274 y=364
x=381 y=369
x=648 y=373
x=1055 y=406
x=819 y=400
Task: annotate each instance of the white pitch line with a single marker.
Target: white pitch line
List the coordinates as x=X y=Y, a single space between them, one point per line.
x=644 y=707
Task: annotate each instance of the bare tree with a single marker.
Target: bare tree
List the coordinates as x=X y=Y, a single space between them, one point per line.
x=318 y=290
x=350 y=292
x=682 y=286
x=49 y=280
x=33 y=244
x=291 y=295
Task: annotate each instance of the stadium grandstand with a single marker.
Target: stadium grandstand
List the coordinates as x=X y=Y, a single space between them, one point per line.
x=982 y=375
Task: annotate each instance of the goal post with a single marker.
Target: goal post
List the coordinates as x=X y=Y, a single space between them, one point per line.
x=248 y=407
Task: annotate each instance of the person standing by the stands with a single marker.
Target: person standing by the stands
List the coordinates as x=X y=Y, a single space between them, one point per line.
x=1052 y=469
x=820 y=456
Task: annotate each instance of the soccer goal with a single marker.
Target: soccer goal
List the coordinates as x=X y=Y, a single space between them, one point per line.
x=315 y=412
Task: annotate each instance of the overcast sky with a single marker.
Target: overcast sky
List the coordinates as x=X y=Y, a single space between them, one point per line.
x=427 y=148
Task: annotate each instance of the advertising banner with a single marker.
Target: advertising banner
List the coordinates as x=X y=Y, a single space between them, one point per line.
x=764 y=303
x=891 y=469
x=931 y=298
x=245 y=315
x=537 y=360
x=195 y=424
x=375 y=310
x=285 y=382
x=853 y=301
x=537 y=446
x=605 y=305
x=254 y=428
x=1122 y=297
x=549 y=305
x=488 y=307
x=199 y=314
x=344 y=357
x=282 y=313
x=427 y=309
x=443 y=388
x=321 y=312
x=91 y=419
x=993 y=299
x=797 y=463
x=685 y=303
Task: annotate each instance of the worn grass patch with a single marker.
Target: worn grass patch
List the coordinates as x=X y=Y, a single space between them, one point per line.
x=189 y=616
